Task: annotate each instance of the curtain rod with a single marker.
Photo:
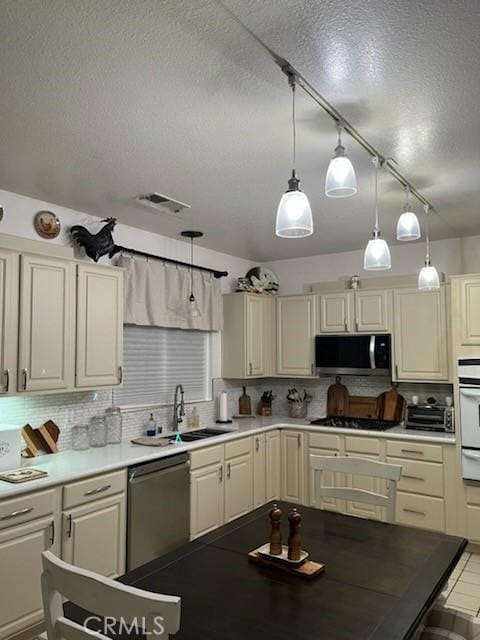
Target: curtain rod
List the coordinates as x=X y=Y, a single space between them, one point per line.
x=119 y=249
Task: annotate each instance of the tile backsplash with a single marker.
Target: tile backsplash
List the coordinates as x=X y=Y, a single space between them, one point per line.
x=69 y=409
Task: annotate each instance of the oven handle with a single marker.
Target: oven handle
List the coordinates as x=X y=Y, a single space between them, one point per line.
x=472 y=456
x=470 y=393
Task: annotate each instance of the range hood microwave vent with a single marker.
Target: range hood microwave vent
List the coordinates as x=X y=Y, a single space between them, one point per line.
x=162 y=203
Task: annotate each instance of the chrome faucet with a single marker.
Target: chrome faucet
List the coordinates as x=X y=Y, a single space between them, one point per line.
x=178 y=407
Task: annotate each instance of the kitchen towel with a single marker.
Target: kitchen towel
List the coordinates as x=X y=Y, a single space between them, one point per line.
x=157 y=295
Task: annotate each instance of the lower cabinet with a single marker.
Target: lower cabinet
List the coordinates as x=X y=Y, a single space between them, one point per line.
x=94 y=536
x=23 y=537
x=272 y=465
x=293 y=466
x=238 y=485
x=206 y=498
x=259 y=470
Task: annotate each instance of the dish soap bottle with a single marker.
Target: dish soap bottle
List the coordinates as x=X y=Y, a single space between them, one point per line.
x=195 y=418
x=151 y=426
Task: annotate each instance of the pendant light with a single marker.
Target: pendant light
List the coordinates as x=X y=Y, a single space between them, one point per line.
x=294 y=215
x=340 y=181
x=377 y=254
x=428 y=276
x=193 y=310
x=408 y=227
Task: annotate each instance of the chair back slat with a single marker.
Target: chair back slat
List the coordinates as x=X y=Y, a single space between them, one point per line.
x=356 y=466
x=102 y=597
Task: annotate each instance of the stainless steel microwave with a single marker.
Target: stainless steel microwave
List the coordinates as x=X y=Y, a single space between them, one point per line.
x=353 y=354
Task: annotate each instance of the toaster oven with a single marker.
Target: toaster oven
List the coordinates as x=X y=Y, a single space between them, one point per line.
x=430 y=417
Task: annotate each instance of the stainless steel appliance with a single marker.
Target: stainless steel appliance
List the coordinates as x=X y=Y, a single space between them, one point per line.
x=469 y=383
x=158 y=508
x=430 y=417
x=363 y=424
x=353 y=354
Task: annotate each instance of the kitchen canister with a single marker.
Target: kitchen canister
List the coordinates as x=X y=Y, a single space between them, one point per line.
x=97 y=432
x=10 y=446
x=80 y=437
x=114 y=422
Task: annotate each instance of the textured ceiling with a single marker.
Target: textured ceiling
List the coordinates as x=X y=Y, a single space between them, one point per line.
x=102 y=101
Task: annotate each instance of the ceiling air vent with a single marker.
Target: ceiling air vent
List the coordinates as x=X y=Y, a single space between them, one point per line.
x=162 y=203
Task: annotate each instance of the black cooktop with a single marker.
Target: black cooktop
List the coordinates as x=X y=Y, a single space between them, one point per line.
x=366 y=424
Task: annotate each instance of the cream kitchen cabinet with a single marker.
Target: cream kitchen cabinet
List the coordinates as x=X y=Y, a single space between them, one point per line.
x=9 y=274
x=273 y=461
x=466 y=308
x=94 y=523
x=354 y=311
x=259 y=470
x=207 y=495
x=238 y=478
x=27 y=527
x=99 y=326
x=47 y=324
x=364 y=448
x=293 y=466
x=295 y=336
x=420 y=336
x=248 y=342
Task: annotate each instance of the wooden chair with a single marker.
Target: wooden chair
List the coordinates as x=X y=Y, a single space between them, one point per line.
x=356 y=466
x=104 y=598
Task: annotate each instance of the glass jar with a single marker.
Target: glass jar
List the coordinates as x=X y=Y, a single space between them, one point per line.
x=114 y=422
x=80 y=438
x=97 y=432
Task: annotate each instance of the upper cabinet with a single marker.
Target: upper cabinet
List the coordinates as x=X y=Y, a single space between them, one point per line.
x=248 y=337
x=47 y=324
x=99 y=326
x=466 y=310
x=295 y=335
x=9 y=266
x=358 y=311
x=420 y=335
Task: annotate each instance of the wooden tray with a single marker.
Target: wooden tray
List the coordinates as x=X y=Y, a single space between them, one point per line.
x=308 y=569
x=264 y=551
x=152 y=441
x=22 y=475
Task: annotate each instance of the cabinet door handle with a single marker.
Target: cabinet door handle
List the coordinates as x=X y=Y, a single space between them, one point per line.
x=15 y=514
x=419 y=453
x=408 y=477
x=7 y=380
x=250 y=368
x=69 y=526
x=257 y=444
x=24 y=377
x=312 y=369
x=52 y=533
x=91 y=492
x=345 y=324
x=356 y=324
x=418 y=513
x=299 y=440
x=229 y=470
x=220 y=474
x=396 y=371
x=120 y=374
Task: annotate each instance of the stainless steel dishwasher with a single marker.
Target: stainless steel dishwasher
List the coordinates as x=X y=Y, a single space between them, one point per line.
x=158 y=508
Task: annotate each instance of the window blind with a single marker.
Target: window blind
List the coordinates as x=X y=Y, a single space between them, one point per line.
x=155 y=360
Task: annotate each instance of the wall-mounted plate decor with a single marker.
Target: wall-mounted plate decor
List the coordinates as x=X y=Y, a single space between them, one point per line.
x=47 y=225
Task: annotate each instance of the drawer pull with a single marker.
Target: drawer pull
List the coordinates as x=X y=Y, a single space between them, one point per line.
x=418 y=453
x=408 y=477
x=418 y=513
x=220 y=474
x=92 y=492
x=15 y=514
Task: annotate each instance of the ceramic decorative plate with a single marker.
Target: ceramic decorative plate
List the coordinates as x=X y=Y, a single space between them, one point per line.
x=47 y=225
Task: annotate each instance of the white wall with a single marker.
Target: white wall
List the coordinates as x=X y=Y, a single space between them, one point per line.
x=297 y=274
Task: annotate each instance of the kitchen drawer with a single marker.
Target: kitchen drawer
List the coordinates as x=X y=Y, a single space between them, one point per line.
x=415 y=450
x=238 y=448
x=420 y=477
x=472 y=493
x=420 y=511
x=473 y=523
x=324 y=441
x=27 y=507
x=90 y=489
x=206 y=457
x=354 y=444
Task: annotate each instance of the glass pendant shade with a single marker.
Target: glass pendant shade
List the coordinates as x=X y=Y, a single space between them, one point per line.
x=193 y=310
x=294 y=215
x=428 y=277
x=408 y=227
x=340 y=181
x=377 y=254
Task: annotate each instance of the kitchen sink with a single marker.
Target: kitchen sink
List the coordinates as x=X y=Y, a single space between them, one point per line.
x=193 y=436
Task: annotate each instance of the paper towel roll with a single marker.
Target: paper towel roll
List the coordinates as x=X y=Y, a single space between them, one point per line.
x=223 y=416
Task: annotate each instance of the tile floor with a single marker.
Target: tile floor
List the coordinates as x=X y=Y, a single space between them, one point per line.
x=463 y=588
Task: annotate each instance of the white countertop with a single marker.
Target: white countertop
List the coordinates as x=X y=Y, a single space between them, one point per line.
x=67 y=466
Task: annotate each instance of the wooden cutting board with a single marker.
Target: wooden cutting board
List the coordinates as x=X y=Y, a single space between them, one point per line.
x=244 y=404
x=391 y=405
x=337 y=399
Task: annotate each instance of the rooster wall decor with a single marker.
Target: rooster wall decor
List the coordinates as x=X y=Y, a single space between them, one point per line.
x=98 y=244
